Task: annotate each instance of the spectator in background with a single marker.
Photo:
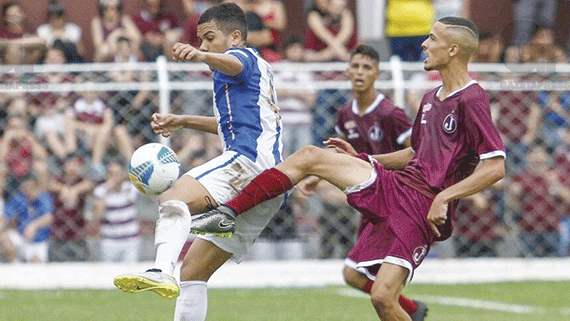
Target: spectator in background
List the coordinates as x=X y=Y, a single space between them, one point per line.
x=20 y=155
x=131 y=108
x=58 y=28
x=88 y=124
x=108 y=26
x=159 y=29
x=47 y=108
x=527 y=16
x=126 y=50
x=70 y=190
x=25 y=225
x=478 y=229
x=18 y=44
x=535 y=203
x=115 y=216
x=517 y=116
x=561 y=185
x=331 y=33
x=274 y=19
x=193 y=9
x=555 y=107
x=542 y=49
x=408 y=23
x=490 y=48
x=295 y=104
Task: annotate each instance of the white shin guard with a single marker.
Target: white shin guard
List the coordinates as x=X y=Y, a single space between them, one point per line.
x=171 y=233
x=192 y=303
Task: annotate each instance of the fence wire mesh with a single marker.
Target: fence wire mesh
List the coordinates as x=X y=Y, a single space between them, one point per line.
x=100 y=113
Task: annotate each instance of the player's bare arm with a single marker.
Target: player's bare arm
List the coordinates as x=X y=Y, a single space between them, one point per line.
x=224 y=63
x=166 y=124
x=488 y=173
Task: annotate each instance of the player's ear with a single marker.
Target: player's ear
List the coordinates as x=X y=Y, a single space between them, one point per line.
x=236 y=38
x=454 y=50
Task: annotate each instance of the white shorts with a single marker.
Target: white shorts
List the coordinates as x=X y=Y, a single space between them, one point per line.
x=224 y=177
x=29 y=251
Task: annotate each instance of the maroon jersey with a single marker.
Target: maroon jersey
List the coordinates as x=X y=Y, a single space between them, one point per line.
x=161 y=24
x=449 y=138
x=68 y=222
x=382 y=129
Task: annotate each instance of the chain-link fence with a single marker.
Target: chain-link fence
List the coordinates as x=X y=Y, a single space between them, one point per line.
x=64 y=127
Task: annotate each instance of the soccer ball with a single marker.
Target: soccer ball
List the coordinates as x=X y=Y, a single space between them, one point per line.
x=153 y=168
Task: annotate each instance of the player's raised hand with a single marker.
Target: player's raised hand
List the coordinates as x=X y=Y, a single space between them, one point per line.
x=165 y=124
x=185 y=52
x=437 y=214
x=340 y=146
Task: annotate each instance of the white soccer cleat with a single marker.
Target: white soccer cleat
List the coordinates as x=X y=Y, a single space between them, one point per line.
x=151 y=280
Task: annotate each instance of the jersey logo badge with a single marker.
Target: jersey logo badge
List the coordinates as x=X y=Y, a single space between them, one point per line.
x=419 y=254
x=375 y=133
x=449 y=124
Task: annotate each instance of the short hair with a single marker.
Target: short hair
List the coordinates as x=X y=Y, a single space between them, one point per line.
x=228 y=17
x=468 y=36
x=101 y=7
x=367 y=51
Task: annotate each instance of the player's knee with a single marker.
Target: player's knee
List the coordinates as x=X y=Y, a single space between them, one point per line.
x=383 y=298
x=306 y=156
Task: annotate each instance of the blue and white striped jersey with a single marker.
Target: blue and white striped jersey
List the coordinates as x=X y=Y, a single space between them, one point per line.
x=246 y=109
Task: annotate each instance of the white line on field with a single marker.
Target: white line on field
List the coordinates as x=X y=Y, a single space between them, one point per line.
x=468 y=303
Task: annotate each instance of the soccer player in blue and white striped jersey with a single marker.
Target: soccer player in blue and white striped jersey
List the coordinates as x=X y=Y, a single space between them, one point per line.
x=248 y=123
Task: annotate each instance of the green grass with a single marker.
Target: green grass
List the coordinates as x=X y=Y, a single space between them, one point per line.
x=544 y=301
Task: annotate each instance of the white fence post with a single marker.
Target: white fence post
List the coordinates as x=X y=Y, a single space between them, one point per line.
x=164 y=91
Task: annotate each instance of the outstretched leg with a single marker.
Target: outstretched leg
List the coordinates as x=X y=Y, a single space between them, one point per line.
x=341 y=170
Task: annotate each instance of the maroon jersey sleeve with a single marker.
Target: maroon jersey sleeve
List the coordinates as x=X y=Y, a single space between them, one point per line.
x=400 y=123
x=480 y=126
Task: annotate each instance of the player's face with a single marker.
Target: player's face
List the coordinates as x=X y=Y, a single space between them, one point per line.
x=213 y=38
x=436 y=48
x=362 y=71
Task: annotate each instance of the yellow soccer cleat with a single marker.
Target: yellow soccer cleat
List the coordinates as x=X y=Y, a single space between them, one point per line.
x=151 y=280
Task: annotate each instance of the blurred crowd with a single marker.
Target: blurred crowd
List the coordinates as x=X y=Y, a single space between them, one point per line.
x=63 y=155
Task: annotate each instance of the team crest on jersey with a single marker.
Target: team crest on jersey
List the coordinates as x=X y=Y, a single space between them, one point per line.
x=375 y=133
x=351 y=129
x=449 y=123
x=419 y=254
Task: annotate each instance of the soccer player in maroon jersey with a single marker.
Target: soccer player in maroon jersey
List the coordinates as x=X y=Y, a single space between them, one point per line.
x=372 y=124
x=411 y=194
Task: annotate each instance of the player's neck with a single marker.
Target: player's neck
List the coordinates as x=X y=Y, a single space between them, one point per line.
x=453 y=79
x=365 y=99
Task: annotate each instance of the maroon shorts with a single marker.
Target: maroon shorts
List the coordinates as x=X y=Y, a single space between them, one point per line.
x=398 y=232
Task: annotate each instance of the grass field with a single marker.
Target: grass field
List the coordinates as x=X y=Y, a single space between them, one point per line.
x=544 y=301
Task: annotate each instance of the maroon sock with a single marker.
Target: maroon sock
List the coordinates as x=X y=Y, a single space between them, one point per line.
x=410 y=306
x=267 y=185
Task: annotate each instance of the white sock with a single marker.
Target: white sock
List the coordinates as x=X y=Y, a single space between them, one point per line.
x=192 y=303
x=171 y=233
